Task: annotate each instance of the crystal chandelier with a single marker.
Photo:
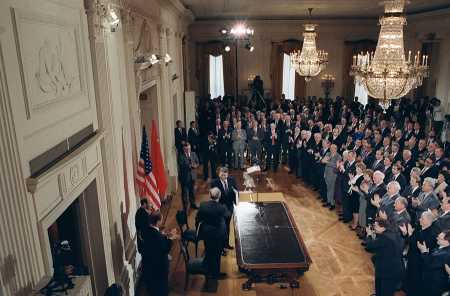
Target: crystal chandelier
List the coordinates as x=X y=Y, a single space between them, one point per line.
x=309 y=62
x=387 y=74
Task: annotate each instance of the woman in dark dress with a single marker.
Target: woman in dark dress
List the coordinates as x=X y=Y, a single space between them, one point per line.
x=355 y=181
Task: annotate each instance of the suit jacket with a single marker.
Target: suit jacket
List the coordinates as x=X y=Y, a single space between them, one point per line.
x=434 y=276
x=387 y=205
x=179 y=138
x=227 y=198
x=224 y=139
x=407 y=167
x=387 y=260
x=431 y=172
x=400 y=179
x=155 y=251
x=402 y=218
x=194 y=138
x=427 y=201
x=369 y=159
x=378 y=165
x=442 y=223
x=212 y=216
x=186 y=174
x=380 y=190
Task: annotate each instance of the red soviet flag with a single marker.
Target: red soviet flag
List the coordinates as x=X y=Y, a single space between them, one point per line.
x=158 y=162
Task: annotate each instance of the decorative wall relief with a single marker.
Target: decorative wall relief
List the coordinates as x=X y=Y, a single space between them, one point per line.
x=50 y=58
x=51 y=74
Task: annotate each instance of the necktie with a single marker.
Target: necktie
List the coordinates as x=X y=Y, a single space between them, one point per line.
x=225 y=186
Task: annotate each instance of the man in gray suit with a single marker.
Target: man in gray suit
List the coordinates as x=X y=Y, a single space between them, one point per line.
x=187 y=163
x=427 y=199
x=239 y=137
x=386 y=206
x=330 y=160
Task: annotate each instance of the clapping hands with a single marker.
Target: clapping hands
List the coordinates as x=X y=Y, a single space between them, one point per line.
x=383 y=215
x=422 y=247
x=406 y=229
x=375 y=201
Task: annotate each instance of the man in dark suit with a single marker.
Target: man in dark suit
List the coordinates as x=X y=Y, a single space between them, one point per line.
x=141 y=222
x=367 y=155
x=210 y=156
x=442 y=223
x=225 y=144
x=378 y=188
x=408 y=163
x=187 y=163
x=155 y=256
x=211 y=218
x=434 y=276
x=429 y=170
x=228 y=189
x=387 y=246
x=378 y=164
x=180 y=136
x=440 y=162
x=398 y=176
x=273 y=142
x=193 y=137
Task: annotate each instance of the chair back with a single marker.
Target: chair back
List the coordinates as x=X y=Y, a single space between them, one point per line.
x=185 y=252
x=181 y=218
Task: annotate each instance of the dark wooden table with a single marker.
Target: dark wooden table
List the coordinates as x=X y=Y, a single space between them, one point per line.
x=269 y=246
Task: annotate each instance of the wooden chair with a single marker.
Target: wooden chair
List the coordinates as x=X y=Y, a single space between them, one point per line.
x=192 y=265
x=187 y=234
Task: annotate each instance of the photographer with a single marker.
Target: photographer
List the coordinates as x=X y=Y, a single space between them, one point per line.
x=387 y=246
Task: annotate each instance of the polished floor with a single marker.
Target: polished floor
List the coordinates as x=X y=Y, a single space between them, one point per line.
x=340 y=265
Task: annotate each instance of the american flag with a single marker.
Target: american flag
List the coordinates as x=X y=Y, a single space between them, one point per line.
x=146 y=180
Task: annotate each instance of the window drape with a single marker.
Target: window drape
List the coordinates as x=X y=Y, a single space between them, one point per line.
x=216 y=84
x=276 y=68
x=214 y=48
x=288 y=78
x=352 y=48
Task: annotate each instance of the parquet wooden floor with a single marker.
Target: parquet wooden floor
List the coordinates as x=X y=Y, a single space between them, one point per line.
x=340 y=264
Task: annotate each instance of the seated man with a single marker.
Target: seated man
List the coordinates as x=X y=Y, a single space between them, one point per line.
x=212 y=216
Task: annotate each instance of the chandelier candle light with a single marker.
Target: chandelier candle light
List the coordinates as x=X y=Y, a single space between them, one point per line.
x=309 y=62
x=387 y=74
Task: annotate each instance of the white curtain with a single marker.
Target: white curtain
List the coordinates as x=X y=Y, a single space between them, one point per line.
x=361 y=93
x=216 y=87
x=288 y=78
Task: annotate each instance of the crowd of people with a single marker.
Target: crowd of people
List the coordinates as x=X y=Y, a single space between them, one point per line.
x=384 y=172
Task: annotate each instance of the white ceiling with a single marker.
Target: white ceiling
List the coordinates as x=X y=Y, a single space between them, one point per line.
x=297 y=9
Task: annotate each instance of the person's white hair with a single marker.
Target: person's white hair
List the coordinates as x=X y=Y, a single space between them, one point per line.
x=215 y=193
x=395 y=184
x=428 y=215
x=430 y=181
x=380 y=174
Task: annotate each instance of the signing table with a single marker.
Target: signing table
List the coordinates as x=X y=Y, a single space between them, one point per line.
x=269 y=246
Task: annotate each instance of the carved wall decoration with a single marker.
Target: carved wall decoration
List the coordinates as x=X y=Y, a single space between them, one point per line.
x=51 y=58
x=51 y=74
